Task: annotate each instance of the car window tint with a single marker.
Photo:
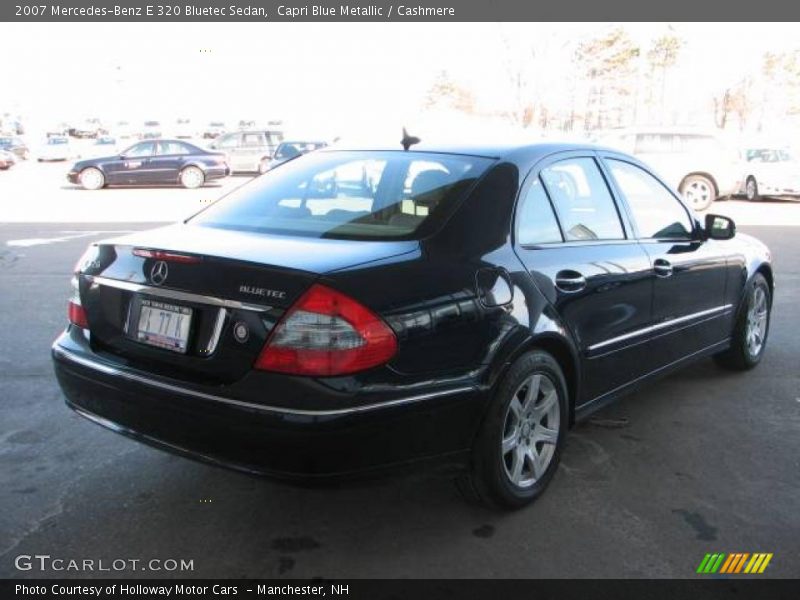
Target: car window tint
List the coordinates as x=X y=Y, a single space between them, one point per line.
x=536 y=223
x=582 y=200
x=657 y=213
x=145 y=149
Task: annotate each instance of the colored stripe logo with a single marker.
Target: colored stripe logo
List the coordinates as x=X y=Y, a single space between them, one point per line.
x=737 y=562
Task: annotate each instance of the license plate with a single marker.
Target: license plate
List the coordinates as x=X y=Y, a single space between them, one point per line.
x=164 y=325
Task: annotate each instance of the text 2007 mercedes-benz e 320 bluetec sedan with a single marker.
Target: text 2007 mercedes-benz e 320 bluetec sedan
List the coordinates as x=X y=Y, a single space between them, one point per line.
x=355 y=310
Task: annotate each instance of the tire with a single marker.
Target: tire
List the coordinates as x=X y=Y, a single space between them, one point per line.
x=494 y=477
x=698 y=191
x=751 y=189
x=192 y=178
x=263 y=166
x=92 y=179
x=749 y=339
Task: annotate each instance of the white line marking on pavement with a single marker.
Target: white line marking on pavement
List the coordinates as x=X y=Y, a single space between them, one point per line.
x=26 y=243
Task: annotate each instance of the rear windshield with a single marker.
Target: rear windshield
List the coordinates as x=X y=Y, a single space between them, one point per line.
x=351 y=195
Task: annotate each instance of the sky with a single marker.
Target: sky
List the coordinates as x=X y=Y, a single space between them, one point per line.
x=324 y=77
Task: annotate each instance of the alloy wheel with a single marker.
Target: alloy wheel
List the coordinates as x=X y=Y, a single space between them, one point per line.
x=530 y=430
x=757 y=314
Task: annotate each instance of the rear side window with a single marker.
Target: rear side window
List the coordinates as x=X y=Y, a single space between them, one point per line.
x=657 y=213
x=536 y=223
x=582 y=200
x=351 y=195
x=168 y=148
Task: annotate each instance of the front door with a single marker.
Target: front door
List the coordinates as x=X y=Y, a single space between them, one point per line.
x=133 y=167
x=690 y=313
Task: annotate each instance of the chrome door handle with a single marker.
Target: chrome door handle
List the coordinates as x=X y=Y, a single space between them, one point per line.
x=663 y=268
x=570 y=281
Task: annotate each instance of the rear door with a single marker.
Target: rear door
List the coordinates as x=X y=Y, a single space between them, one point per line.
x=690 y=273
x=168 y=160
x=578 y=247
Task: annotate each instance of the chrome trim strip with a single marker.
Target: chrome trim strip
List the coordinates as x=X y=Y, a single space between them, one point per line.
x=212 y=343
x=662 y=325
x=109 y=370
x=161 y=292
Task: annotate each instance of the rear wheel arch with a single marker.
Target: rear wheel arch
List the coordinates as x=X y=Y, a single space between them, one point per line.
x=563 y=353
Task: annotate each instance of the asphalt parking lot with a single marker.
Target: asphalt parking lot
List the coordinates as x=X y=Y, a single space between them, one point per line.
x=703 y=461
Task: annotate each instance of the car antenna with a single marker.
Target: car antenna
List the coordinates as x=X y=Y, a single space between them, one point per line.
x=408 y=140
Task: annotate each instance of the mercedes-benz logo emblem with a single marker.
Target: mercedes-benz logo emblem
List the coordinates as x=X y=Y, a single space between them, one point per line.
x=159 y=272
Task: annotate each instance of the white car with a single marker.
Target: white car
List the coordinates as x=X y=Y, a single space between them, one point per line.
x=104 y=145
x=699 y=164
x=56 y=147
x=770 y=172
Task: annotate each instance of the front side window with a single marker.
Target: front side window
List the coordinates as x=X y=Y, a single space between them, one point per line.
x=138 y=150
x=657 y=213
x=536 y=222
x=351 y=195
x=582 y=200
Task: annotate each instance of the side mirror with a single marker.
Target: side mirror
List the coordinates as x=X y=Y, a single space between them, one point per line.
x=719 y=227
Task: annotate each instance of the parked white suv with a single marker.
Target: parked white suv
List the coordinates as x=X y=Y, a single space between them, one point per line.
x=699 y=164
x=249 y=150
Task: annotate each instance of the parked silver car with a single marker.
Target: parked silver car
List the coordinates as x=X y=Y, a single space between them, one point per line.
x=770 y=172
x=250 y=150
x=292 y=149
x=699 y=164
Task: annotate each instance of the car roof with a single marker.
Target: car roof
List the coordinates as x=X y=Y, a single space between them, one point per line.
x=495 y=149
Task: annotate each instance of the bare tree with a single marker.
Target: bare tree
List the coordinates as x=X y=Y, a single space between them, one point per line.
x=607 y=65
x=446 y=93
x=661 y=57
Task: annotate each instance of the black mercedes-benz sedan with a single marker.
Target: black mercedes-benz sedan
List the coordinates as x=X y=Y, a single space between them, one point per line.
x=152 y=162
x=359 y=310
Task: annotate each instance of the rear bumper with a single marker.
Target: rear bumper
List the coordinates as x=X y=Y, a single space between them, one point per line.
x=302 y=445
x=217 y=172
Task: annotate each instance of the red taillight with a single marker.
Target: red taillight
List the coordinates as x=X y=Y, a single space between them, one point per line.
x=77 y=315
x=75 y=312
x=326 y=333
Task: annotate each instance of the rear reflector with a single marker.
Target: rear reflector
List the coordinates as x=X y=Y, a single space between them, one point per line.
x=327 y=333
x=167 y=256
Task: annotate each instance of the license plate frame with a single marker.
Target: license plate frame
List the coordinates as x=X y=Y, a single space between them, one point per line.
x=163 y=325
